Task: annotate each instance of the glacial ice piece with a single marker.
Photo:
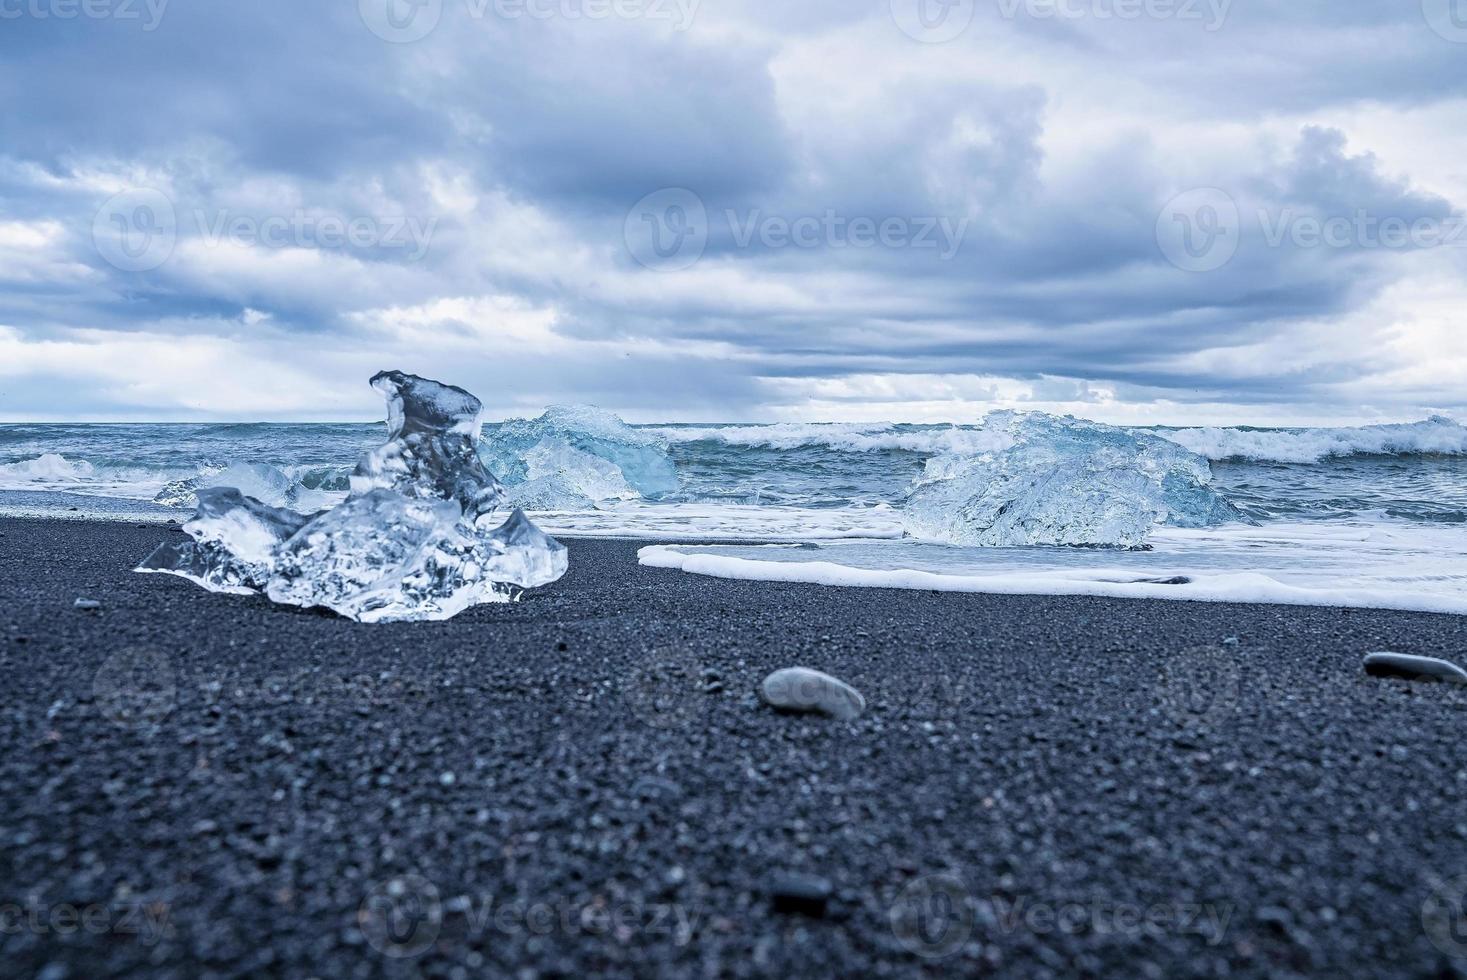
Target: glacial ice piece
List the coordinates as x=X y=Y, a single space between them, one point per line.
x=1063 y=481
x=235 y=539
x=424 y=533
x=578 y=456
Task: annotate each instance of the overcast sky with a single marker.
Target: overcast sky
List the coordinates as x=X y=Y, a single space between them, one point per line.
x=1132 y=210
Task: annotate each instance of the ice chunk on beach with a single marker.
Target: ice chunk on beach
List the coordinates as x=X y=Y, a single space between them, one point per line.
x=234 y=542
x=424 y=533
x=577 y=456
x=1063 y=481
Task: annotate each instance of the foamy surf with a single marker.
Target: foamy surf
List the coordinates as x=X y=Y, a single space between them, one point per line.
x=1348 y=564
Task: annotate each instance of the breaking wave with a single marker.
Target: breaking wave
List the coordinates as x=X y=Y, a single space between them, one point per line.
x=852 y=437
x=1436 y=436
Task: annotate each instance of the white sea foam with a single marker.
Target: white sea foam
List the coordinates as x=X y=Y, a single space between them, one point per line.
x=1361 y=564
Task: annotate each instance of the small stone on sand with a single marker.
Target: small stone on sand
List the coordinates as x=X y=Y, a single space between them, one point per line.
x=1413 y=668
x=804 y=690
x=800 y=893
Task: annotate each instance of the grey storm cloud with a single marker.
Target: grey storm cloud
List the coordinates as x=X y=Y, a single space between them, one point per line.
x=683 y=208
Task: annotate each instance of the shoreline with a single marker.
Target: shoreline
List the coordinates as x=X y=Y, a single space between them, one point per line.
x=1093 y=785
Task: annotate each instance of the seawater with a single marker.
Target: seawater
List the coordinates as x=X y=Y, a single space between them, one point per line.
x=1354 y=516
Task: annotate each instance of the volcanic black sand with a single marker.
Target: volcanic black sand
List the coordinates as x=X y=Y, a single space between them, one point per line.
x=585 y=782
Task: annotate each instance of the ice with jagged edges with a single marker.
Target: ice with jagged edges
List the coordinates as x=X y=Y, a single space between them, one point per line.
x=578 y=456
x=425 y=532
x=1063 y=481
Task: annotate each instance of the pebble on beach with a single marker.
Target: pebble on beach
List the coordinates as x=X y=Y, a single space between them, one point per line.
x=800 y=893
x=801 y=689
x=1413 y=668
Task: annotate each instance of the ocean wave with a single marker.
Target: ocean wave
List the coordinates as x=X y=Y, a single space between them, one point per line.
x=1437 y=435
x=55 y=472
x=46 y=468
x=849 y=436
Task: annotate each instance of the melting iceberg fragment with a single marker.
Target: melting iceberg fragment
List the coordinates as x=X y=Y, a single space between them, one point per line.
x=235 y=538
x=1063 y=482
x=424 y=533
x=577 y=456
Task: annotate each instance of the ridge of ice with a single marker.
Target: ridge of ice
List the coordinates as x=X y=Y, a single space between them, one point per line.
x=1063 y=481
x=577 y=456
x=424 y=533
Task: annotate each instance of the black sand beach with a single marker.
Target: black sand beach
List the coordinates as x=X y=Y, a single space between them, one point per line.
x=585 y=783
